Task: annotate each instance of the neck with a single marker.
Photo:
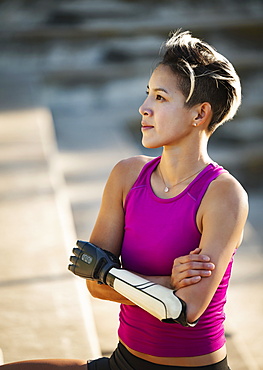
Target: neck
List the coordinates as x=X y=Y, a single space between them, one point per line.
x=178 y=163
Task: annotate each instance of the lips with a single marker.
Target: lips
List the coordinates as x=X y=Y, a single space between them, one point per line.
x=146 y=126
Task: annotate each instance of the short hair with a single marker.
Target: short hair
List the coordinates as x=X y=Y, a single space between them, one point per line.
x=204 y=75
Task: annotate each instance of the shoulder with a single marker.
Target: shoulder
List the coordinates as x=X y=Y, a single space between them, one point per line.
x=132 y=164
x=126 y=171
x=225 y=193
x=228 y=187
x=224 y=208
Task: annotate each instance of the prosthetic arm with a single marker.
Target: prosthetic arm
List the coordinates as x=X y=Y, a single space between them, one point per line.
x=94 y=263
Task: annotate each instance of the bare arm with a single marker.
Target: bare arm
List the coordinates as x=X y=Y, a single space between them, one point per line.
x=221 y=219
x=108 y=230
x=188 y=270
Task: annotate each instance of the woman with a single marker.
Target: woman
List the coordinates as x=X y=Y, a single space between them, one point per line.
x=176 y=219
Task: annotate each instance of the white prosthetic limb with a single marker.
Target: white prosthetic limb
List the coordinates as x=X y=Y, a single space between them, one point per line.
x=156 y=299
x=94 y=263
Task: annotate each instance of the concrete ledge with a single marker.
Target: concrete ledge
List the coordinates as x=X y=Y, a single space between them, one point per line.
x=45 y=311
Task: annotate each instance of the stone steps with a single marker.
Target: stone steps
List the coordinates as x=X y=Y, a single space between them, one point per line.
x=109 y=19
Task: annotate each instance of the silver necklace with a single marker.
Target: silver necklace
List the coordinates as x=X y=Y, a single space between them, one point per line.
x=167 y=189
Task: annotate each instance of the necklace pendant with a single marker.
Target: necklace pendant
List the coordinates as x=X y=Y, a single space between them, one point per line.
x=166 y=189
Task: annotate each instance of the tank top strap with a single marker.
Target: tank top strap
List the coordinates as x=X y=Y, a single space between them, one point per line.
x=146 y=172
x=198 y=188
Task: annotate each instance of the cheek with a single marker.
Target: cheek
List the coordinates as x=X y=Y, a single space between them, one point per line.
x=170 y=118
x=175 y=124
x=166 y=116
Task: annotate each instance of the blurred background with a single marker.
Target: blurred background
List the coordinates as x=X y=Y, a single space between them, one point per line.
x=72 y=76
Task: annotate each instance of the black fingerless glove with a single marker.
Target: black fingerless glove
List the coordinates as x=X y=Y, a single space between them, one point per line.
x=91 y=262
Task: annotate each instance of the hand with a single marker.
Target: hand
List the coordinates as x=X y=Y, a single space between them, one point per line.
x=190 y=269
x=92 y=262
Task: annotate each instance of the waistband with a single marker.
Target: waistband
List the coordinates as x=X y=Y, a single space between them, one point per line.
x=122 y=359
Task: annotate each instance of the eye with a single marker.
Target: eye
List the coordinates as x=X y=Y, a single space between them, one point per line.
x=159 y=97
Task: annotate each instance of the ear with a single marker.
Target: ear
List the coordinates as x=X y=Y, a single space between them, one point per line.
x=203 y=114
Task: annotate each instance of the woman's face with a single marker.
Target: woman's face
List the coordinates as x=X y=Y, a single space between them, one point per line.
x=165 y=119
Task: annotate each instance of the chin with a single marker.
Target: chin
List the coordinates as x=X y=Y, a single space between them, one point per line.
x=150 y=145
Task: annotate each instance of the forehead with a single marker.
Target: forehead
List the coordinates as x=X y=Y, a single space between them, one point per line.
x=164 y=78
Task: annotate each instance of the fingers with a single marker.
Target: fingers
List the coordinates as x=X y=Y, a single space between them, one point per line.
x=193 y=266
x=81 y=244
x=196 y=251
x=193 y=273
x=77 y=251
x=193 y=262
x=74 y=259
x=71 y=268
x=190 y=269
x=189 y=273
x=192 y=258
x=186 y=282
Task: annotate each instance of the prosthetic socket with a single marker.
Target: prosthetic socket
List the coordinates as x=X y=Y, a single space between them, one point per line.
x=93 y=263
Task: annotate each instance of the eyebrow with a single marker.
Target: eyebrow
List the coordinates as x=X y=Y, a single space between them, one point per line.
x=158 y=89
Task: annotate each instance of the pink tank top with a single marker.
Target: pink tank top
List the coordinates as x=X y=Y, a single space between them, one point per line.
x=156 y=232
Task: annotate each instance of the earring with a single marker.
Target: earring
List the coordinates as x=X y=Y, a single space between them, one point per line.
x=195 y=124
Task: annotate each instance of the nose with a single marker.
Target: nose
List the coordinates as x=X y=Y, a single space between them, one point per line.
x=144 y=110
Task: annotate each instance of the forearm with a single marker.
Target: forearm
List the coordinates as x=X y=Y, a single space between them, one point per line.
x=161 y=280
x=106 y=293
x=198 y=296
x=98 y=265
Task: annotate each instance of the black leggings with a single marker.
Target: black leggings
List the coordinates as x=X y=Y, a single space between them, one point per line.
x=122 y=359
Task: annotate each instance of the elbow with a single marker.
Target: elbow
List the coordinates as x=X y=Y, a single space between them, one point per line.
x=192 y=313
x=194 y=307
x=194 y=310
